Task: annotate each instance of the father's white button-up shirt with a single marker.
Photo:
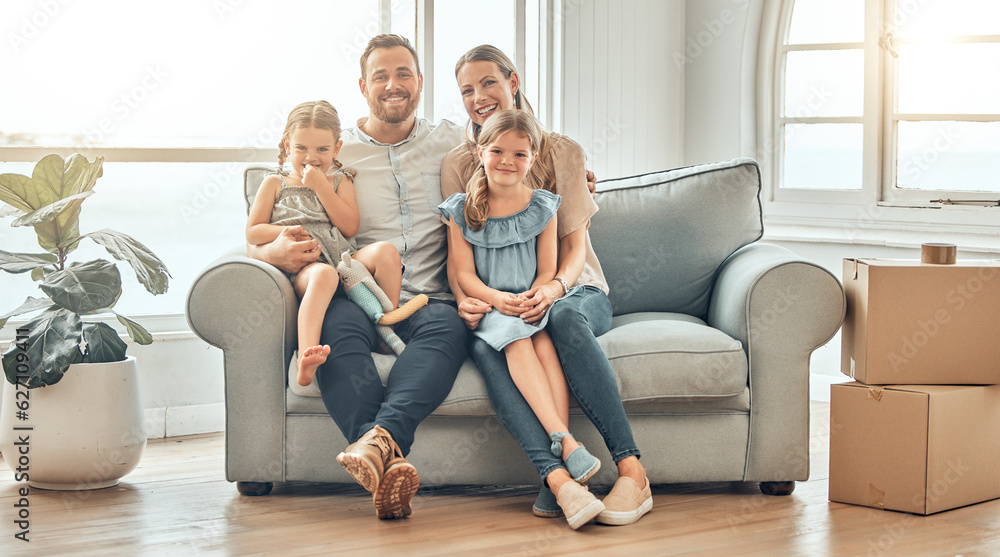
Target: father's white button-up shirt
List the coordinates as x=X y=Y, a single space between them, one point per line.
x=398 y=189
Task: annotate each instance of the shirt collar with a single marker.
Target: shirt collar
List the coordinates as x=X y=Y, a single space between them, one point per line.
x=368 y=139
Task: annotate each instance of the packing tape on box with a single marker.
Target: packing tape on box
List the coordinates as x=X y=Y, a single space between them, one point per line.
x=875 y=393
x=938 y=254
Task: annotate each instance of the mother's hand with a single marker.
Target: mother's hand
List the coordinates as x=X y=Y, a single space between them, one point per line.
x=538 y=300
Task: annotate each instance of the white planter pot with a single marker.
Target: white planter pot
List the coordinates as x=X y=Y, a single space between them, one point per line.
x=85 y=432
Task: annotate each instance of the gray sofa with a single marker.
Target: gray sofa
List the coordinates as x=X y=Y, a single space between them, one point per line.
x=710 y=348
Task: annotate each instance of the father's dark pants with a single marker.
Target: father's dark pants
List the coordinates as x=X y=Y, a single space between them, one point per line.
x=419 y=381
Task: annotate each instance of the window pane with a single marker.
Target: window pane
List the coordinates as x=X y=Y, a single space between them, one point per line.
x=824 y=83
x=403 y=19
x=188 y=214
x=827 y=21
x=949 y=78
x=949 y=156
x=205 y=74
x=456 y=38
x=937 y=18
x=823 y=156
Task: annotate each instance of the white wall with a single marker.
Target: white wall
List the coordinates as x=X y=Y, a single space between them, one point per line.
x=719 y=60
x=622 y=95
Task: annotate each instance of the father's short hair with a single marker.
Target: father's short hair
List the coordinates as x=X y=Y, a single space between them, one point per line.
x=386 y=41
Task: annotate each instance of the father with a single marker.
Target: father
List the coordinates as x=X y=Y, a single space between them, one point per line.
x=398 y=187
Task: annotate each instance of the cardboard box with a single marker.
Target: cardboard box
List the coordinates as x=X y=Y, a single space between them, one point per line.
x=914 y=323
x=914 y=448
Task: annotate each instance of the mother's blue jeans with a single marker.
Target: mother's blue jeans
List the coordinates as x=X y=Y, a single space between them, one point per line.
x=574 y=324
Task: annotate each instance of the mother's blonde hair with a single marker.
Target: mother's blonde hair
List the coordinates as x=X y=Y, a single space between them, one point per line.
x=541 y=175
x=477 y=208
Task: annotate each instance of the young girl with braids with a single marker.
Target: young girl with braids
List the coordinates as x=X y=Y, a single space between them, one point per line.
x=323 y=203
x=503 y=233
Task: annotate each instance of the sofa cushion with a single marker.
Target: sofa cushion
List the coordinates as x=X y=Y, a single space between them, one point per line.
x=654 y=357
x=665 y=355
x=253 y=177
x=691 y=220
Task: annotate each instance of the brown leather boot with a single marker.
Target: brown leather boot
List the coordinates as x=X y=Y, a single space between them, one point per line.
x=365 y=459
x=399 y=485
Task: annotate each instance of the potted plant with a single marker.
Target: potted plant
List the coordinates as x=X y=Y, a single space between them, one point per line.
x=71 y=391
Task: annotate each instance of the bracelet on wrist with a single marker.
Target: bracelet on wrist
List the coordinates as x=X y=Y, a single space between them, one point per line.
x=564 y=285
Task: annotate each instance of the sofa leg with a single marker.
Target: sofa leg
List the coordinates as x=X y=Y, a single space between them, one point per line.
x=777 y=488
x=254 y=489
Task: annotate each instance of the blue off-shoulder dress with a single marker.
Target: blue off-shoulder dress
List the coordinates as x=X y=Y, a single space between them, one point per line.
x=506 y=257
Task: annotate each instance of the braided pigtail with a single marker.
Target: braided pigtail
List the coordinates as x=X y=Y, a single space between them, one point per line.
x=340 y=166
x=282 y=153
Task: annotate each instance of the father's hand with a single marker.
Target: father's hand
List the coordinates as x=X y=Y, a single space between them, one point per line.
x=591 y=183
x=292 y=250
x=472 y=310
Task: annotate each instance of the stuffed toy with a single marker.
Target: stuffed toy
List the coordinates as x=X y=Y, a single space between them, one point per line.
x=361 y=288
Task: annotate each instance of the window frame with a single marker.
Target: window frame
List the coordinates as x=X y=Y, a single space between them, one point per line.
x=891 y=115
x=850 y=216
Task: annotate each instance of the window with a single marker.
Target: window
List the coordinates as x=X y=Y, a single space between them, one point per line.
x=510 y=29
x=180 y=108
x=885 y=103
x=177 y=109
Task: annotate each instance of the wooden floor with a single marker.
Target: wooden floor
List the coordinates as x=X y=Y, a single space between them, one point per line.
x=178 y=503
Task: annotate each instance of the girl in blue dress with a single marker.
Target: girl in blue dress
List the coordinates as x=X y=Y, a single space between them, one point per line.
x=504 y=236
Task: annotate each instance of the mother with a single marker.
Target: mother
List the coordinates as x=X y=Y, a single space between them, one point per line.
x=489 y=83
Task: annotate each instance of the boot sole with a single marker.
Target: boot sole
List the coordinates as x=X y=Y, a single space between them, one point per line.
x=392 y=497
x=360 y=469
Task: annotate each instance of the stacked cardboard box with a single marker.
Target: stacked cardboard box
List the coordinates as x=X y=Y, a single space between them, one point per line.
x=919 y=429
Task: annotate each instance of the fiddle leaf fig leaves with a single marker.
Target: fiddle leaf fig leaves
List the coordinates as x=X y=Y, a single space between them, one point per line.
x=135 y=331
x=150 y=271
x=103 y=344
x=53 y=344
x=49 y=201
x=84 y=287
x=23 y=262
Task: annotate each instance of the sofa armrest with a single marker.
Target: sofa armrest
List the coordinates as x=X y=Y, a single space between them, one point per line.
x=248 y=309
x=781 y=308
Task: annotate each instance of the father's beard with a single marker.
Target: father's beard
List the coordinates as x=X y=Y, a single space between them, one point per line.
x=394 y=114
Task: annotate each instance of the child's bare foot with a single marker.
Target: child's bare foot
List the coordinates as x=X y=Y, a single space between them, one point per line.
x=310 y=359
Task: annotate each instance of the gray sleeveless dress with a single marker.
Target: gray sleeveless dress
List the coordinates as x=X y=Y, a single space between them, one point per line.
x=301 y=205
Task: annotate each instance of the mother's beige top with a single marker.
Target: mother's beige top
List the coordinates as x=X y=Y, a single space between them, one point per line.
x=568 y=161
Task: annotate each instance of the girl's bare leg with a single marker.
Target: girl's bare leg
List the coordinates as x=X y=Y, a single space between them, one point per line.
x=382 y=261
x=315 y=286
x=529 y=376
x=549 y=360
